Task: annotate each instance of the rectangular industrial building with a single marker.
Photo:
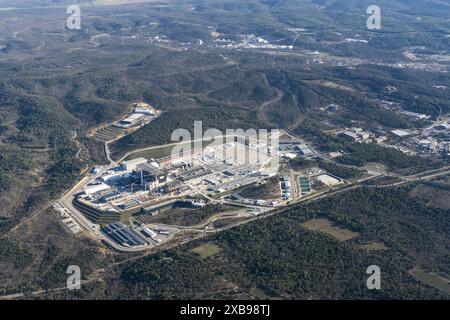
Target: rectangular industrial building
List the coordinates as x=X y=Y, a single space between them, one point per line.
x=131 y=120
x=401 y=133
x=131 y=165
x=145 y=111
x=304 y=150
x=328 y=180
x=415 y=115
x=96 y=188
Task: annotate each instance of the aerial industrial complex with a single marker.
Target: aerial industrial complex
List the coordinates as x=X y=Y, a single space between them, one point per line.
x=140 y=186
x=116 y=202
x=431 y=140
x=124 y=203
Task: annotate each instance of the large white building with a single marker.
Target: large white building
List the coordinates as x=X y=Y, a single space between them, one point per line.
x=415 y=115
x=131 y=120
x=132 y=164
x=145 y=111
x=328 y=180
x=401 y=133
x=96 y=188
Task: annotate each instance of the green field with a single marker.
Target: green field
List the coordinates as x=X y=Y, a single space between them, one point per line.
x=324 y=226
x=156 y=153
x=160 y=152
x=431 y=279
x=373 y=246
x=375 y=166
x=207 y=250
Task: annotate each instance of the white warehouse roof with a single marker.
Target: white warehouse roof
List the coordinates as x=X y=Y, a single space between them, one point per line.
x=146 y=111
x=328 y=180
x=133 y=118
x=96 y=188
x=401 y=133
x=132 y=164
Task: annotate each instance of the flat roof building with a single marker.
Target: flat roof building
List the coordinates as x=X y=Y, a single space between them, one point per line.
x=131 y=165
x=149 y=168
x=304 y=150
x=145 y=111
x=328 y=180
x=415 y=115
x=96 y=188
x=131 y=120
x=401 y=133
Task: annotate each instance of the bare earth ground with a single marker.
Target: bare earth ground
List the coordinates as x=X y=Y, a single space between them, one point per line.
x=325 y=226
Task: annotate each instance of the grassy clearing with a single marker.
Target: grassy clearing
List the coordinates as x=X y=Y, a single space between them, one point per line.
x=161 y=152
x=324 y=226
x=432 y=279
x=436 y=195
x=207 y=250
x=373 y=246
x=375 y=166
x=156 y=153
